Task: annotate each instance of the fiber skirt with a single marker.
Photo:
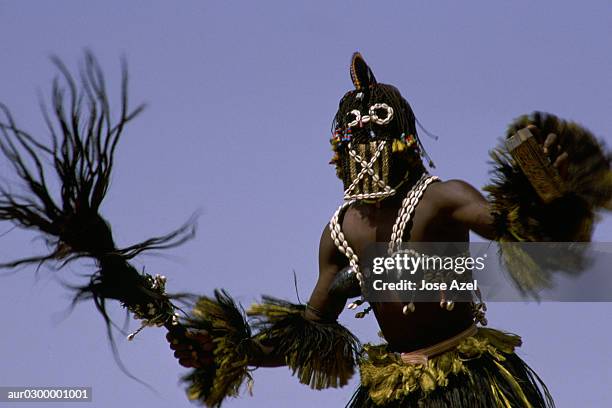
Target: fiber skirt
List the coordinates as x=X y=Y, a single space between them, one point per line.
x=481 y=371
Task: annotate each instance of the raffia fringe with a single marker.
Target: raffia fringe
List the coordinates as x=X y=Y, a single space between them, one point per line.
x=388 y=378
x=322 y=355
x=226 y=323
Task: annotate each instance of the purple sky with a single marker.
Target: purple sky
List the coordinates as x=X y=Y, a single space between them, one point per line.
x=240 y=100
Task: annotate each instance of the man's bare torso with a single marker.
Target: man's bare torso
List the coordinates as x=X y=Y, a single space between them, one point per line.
x=432 y=221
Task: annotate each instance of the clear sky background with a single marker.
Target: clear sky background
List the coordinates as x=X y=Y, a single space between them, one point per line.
x=240 y=100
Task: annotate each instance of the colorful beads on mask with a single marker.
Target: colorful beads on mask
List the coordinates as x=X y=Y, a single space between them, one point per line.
x=335 y=140
x=346 y=137
x=341 y=136
x=404 y=143
x=398 y=146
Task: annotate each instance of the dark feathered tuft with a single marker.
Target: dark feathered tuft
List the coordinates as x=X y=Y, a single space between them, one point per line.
x=80 y=156
x=588 y=186
x=521 y=216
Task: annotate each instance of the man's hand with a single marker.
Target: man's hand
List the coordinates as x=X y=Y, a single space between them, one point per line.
x=553 y=150
x=193 y=349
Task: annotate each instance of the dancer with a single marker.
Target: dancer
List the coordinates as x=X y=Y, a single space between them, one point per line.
x=436 y=354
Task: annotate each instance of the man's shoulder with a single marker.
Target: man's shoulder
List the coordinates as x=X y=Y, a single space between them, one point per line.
x=450 y=188
x=449 y=194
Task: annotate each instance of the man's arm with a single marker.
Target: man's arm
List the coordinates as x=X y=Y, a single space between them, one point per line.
x=466 y=206
x=322 y=307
